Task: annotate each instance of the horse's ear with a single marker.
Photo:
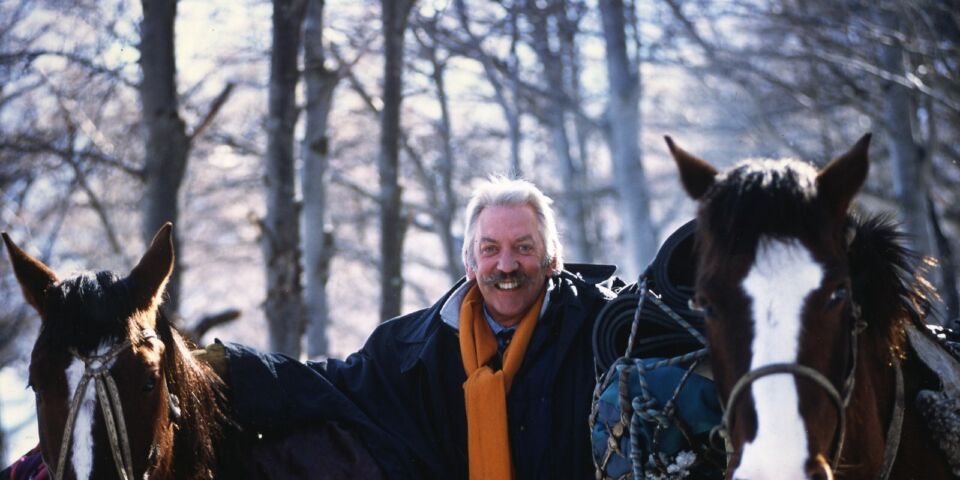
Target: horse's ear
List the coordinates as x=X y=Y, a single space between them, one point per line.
x=840 y=180
x=34 y=277
x=149 y=278
x=696 y=174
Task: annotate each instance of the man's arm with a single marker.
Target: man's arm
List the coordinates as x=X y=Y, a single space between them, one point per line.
x=274 y=394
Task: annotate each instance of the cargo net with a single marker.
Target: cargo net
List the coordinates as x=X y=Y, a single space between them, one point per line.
x=655 y=412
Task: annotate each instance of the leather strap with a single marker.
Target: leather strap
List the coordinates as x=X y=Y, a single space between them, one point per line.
x=97 y=368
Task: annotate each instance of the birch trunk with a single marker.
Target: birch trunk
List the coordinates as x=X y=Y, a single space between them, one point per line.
x=318 y=243
x=283 y=306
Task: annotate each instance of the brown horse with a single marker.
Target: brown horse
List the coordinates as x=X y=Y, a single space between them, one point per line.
x=812 y=316
x=119 y=395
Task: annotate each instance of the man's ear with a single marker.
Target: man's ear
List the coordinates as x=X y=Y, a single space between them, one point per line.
x=471 y=273
x=552 y=268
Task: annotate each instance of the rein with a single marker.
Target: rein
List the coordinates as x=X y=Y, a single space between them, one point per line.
x=96 y=368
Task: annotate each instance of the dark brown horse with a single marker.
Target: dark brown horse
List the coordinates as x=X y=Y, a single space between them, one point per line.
x=808 y=314
x=119 y=395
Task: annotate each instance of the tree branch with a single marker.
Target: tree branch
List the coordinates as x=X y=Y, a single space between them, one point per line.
x=215 y=107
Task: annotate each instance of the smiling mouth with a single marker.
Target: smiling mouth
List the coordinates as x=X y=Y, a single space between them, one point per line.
x=508 y=285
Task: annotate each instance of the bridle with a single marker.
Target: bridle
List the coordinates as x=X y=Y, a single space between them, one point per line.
x=97 y=368
x=839 y=398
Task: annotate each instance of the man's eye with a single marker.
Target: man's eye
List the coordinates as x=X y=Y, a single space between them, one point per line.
x=488 y=249
x=525 y=249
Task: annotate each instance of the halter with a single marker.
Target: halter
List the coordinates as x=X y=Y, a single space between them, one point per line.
x=95 y=367
x=839 y=398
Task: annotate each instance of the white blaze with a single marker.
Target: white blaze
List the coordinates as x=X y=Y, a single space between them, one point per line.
x=81 y=448
x=782 y=276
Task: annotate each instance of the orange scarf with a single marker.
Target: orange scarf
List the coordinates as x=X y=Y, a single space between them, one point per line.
x=485 y=391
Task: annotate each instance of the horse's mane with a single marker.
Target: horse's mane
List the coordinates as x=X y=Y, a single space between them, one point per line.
x=201 y=427
x=887 y=278
x=86 y=310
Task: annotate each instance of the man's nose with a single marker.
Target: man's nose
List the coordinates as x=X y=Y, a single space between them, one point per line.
x=507 y=263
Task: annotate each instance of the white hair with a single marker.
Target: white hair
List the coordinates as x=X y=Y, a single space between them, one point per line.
x=502 y=191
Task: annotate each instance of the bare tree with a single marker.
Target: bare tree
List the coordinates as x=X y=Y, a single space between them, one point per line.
x=554 y=116
x=318 y=240
x=624 y=123
x=504 y=76
x=394 y=18
x=280 y=241
x=899 y=119
x=438 y=180
x=166 y=144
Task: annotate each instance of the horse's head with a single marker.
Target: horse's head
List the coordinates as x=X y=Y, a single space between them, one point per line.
x=773 y=282
x=98 y=366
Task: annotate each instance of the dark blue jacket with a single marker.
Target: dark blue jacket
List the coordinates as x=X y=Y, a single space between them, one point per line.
x=403 y=391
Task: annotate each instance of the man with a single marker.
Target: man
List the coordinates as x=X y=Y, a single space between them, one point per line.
x=493 y=381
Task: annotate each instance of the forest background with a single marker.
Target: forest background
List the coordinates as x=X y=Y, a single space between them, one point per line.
x=315 y=156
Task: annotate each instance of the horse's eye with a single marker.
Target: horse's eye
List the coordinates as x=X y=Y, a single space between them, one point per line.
x=151 y=383
x=838 y=296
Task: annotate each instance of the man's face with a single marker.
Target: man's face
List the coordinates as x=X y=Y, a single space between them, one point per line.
x=510 y=255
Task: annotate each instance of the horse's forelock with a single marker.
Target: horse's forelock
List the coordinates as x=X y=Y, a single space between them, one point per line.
x=87 y=309
x=758 y=198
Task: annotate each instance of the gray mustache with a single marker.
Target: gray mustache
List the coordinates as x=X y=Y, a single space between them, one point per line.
x=498 y=277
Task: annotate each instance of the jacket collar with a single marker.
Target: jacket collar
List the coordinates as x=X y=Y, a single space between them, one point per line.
x=450 y=311
x=422 y=332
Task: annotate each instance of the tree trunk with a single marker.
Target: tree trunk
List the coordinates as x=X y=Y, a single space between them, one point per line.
x=317 y=239
x=513 y=114
x=448 y=207
x=394 y=17
x=283 y=306
x=166 y=143
x=3 y=441
x=899 y=118
x=623 y=110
